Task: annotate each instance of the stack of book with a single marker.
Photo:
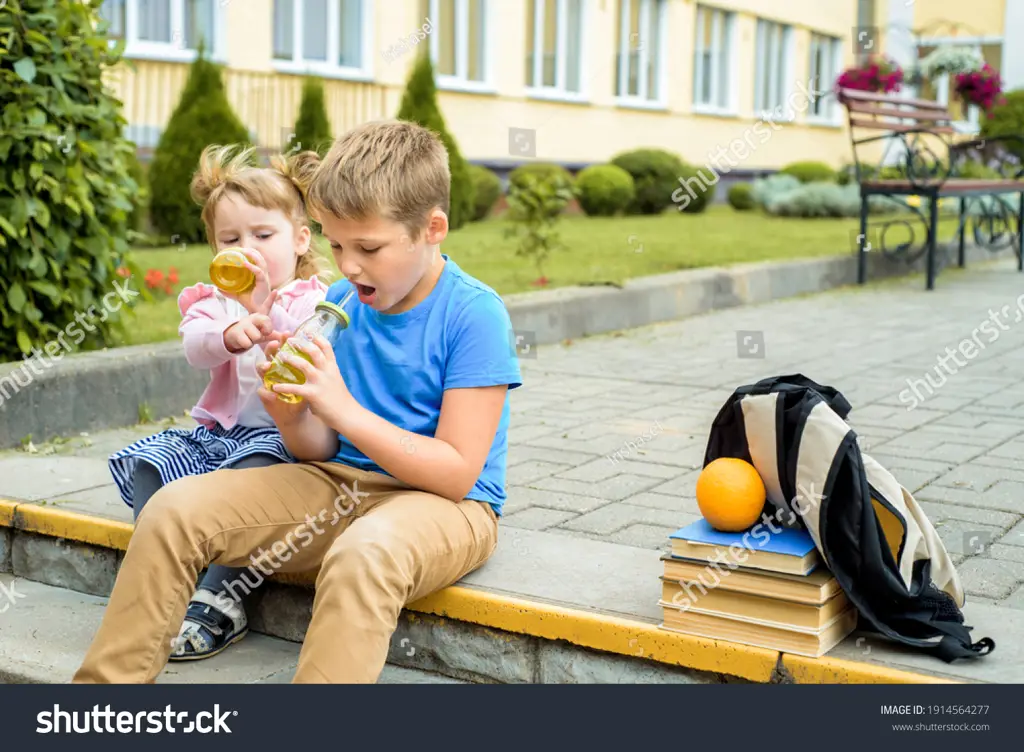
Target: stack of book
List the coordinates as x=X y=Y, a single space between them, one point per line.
x=769 y=590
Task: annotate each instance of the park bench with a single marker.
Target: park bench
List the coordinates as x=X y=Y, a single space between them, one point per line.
x=932 y=164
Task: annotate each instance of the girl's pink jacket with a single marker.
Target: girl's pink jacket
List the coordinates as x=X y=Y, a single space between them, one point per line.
x=205 y=316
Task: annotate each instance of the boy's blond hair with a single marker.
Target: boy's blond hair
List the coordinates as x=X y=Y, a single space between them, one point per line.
x=392 y=169
x=224 y=169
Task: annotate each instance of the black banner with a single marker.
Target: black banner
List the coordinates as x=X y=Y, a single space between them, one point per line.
x=747 y=717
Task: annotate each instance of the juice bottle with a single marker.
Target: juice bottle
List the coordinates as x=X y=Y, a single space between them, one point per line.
x=327 y=320
x=228 y=272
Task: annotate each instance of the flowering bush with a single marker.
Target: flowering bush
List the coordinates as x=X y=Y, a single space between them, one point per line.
x=950 y=60
x=982 y=87
x=157 y=280
x=882 y=75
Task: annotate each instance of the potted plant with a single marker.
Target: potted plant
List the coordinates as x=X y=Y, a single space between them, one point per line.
x=953 y=60
x=980 y=87
x=881 y=75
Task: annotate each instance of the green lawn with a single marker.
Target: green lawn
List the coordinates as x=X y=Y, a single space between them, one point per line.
x=599 y=250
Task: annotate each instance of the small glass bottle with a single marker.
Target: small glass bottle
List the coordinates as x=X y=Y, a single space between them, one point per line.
x=229 y=273
x=327 y=320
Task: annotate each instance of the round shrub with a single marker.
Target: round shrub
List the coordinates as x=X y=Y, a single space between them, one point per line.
x=546 y=171
x=604 y=190
x=697 y=189
x=656 y=175
x=810 y=172
x=741 y=197
x=488 y=189
x=1007 y=119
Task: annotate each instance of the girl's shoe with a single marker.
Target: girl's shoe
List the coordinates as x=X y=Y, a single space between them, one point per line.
x=211 y=624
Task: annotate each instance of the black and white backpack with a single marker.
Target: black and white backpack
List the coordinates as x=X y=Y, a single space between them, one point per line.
x=870 y=531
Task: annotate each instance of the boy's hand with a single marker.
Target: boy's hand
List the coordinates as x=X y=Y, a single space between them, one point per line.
x=281 y=412
x=325 y=389
x=246 y=332
x=259 y=298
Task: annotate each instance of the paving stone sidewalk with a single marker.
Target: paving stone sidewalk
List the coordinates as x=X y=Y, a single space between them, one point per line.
x=608 y=433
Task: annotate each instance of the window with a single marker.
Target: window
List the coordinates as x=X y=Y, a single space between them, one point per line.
x=823 y=72
x=554 y=30
x=712 y=72
x=320 y=36
x=457 y=40
x=773 y=69
x=164 y=29
x=114 y=12
x=638 y=62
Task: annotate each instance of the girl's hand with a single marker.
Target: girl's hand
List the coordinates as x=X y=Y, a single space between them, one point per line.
x=247 y=332
x=325 y=389
x=259 y=298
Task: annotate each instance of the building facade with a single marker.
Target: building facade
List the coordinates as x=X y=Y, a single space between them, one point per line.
x=570 y=81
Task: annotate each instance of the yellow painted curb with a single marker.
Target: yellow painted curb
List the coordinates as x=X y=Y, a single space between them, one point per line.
x=7 y=513
x=586 y=629
x=600 y=632
x=827 y=670
x=60 y=523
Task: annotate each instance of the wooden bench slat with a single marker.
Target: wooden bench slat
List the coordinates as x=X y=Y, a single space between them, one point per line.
x=864 y=96
x=899 y=127
x=865 y=108
x=952 y=185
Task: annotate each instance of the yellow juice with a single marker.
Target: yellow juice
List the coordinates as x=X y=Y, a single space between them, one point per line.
x=283 y=373
x=228 y=272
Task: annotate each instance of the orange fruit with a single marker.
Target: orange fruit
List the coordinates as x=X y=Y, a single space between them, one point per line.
x=730 y=494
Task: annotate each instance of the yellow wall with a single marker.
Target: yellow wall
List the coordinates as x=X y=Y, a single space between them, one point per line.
x=267 y=101
x=937 y=18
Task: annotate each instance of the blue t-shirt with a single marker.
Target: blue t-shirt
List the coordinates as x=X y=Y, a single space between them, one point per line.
x=399 y=365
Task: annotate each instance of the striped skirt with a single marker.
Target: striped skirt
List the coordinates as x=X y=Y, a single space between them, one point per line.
x=177 y=453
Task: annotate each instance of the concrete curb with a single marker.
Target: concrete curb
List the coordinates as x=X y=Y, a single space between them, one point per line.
x=93 y=391
x=462 y=632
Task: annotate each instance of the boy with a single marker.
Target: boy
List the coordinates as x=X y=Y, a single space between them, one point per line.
x=401 y=438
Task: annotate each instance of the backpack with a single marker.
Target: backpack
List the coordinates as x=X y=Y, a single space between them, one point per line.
x=869 y=530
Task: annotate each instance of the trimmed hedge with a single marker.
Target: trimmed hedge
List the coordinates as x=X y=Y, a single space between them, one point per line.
x=547 y=171
x=656 y=174
x=741 y=197
x=810 y=172
x=203 y=117
x=312 y=127
x=1007 y=120
x=419 y=105
x=697 y=190
x=487 y=188
x=604 y=190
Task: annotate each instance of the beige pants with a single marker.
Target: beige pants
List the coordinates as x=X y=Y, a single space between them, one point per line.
x=377 y=543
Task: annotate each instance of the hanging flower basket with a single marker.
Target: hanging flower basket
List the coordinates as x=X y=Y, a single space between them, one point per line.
x=882 y=76
x=982 y=87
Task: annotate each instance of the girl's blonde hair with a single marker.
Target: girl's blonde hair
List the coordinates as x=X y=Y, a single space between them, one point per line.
x=280 y=186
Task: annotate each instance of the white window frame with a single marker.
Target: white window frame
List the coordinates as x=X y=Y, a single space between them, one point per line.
x=173 y=50
x=729 y=35
x=832 y=114
x=460 y=81
x=782 y=83
x=971 y=126
x=558 y=91
x=329 y=68
x=643 y=99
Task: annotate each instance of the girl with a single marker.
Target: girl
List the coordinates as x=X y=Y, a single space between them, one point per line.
x=263 y=211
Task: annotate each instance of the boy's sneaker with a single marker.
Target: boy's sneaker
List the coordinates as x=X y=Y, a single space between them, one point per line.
x=212 y=623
